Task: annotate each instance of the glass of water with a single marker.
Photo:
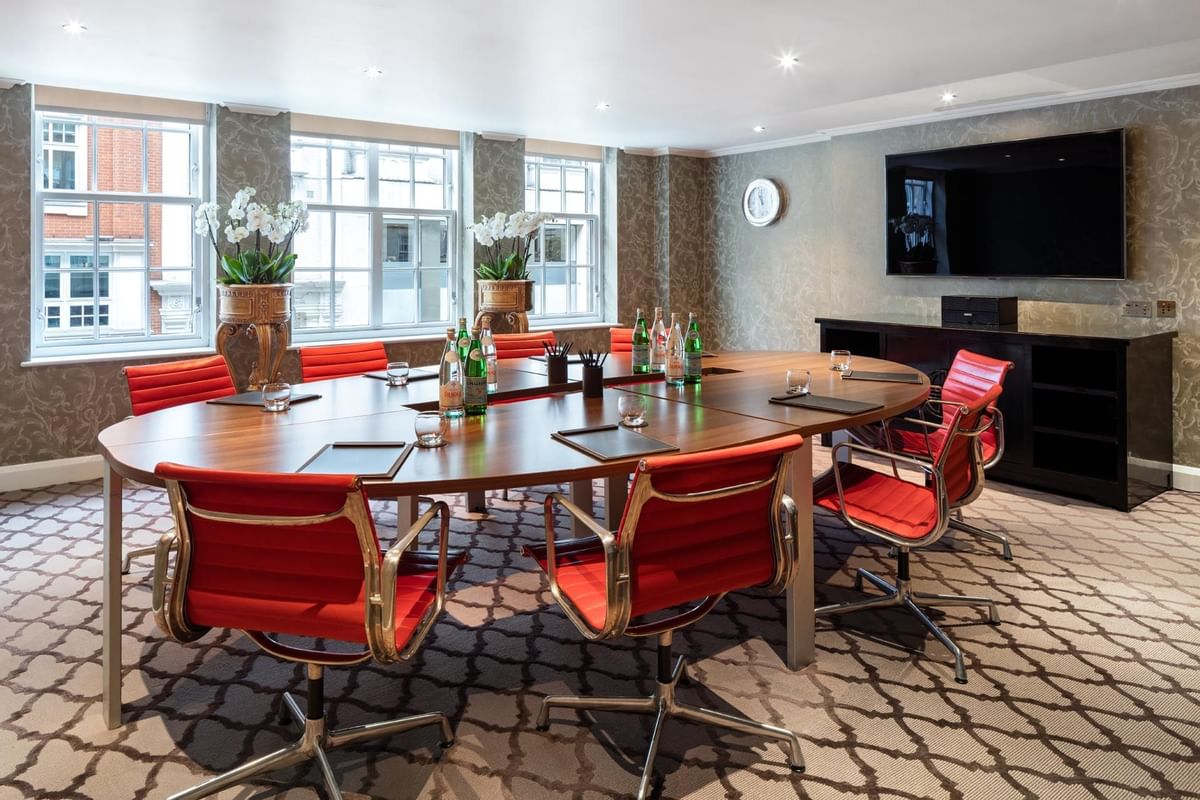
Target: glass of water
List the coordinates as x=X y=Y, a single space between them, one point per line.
x=632 y=408
x=397 y=373
x=277 y=397
x=839 y=360
x=799 y=381
x=430 y=427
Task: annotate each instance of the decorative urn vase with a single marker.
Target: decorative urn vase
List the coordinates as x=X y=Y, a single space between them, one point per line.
x=507 y=299
x=263 y=310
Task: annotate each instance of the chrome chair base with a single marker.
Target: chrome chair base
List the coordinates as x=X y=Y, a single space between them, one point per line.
x=1005 y=548
x=314 y=744
x=130 y=555
x=902 y=594
x=664 y=705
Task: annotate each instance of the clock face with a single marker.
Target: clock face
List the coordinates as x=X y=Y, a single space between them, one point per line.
x=761 y=203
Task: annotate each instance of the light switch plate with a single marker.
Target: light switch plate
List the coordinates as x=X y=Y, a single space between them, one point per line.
x=1164 y=308
x=1138 y=308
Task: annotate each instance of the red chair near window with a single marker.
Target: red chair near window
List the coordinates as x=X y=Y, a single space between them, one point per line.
x=523 y=345
x=153 y=387
x=970 y=376
x=156 y=386
x=341 y=360
x=911 y=515
x=620 y=340
x=297 y=555
x=695 y=527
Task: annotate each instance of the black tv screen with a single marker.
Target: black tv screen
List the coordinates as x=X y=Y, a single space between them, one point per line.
x=1047 y=208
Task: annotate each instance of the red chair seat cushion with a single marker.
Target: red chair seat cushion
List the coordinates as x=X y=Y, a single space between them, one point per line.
x=900 y=507
x=246 y=598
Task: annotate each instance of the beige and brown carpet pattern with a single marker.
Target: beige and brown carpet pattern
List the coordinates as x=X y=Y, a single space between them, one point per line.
x=1088 y=689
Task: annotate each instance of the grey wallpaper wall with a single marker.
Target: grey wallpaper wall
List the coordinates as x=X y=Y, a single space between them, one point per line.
x=826 y=255
x=639 y=251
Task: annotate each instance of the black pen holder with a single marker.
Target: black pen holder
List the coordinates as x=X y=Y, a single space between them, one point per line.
x=593 y=381
x=556 y=369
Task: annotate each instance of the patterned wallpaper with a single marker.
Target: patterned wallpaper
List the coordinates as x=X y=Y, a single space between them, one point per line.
x=638 y=245
x=689 y=266
x=826 y=255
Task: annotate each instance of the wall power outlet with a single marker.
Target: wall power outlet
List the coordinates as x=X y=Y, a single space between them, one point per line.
x=1164 y=308
x=1137 y=308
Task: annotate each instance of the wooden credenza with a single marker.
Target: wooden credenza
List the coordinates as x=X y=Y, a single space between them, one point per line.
x=1087 y=410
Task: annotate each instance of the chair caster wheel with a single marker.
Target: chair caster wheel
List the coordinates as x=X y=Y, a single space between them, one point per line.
x=541 y=728
x=446 y=744
x=960 y=680
x=797 y=770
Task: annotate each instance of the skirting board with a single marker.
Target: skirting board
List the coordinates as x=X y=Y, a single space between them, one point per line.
x=1186 y=479
x=37 y=474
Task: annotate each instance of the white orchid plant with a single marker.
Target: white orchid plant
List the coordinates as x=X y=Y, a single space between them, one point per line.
x=243 y=262
x=507 y=241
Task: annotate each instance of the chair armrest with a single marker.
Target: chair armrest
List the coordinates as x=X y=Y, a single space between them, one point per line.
x=162 y=556
x=391 y=566
x=616 y=570
x=935 y=478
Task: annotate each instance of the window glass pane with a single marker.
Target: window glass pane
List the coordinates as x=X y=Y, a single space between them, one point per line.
x=536 y=274
x=549 y=178
x=395 y=181
x=550 y=201
x=399 y=297
x=555 y=237
x=172 y=239
x=353 y=241
x=583 y=290
x=314 y=247
x=582 y=240
x=122 y=232
x=429 y=179
x=81 y=284
x=398 y=245
x=53 y=317
x=172 y=303
x=349 y=177
x=169 y=162
x=52 y=285
x=435 y=241
x=555 y=291
x=119 y=156
x=125 y=313
x=58 y=169
x=352 y=298
x=575 y=202
x=309 y=174
x=435 y=295
x=575 y=179
x=312 y=300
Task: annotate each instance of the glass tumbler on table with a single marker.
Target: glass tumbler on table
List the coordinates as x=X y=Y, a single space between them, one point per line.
x=799 y=382
x=839 y=360
x=277 y=397
x=632 y=408
x=397 y=373
x=430 y=427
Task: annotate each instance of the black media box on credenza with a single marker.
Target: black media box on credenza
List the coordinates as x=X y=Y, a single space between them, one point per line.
x=979 y=312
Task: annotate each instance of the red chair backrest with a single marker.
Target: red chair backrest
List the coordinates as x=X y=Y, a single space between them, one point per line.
x=970 y=376
x=155 y=386
x=959 y=456
x=523 y=345
x=704 y=546
x=305 y=580
x=341 y=360
x=620 y=340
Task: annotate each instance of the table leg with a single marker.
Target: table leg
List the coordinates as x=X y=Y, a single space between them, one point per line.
x=616 y=492
x=845 y=455
x=477 y=502
x=801 y=633
x=406 y=513
x=581 y=495
x=110 y=615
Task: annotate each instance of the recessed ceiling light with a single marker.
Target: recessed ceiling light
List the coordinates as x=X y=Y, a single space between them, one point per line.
x=788 y=61
x=1062 y=159
x=74 y=28
x=373 y=72
x=949 y=97
x=603 y=106
x=758 y=129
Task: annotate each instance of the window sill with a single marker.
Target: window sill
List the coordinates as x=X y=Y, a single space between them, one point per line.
x=419 y=338
x=130 y=355
x=539 y=325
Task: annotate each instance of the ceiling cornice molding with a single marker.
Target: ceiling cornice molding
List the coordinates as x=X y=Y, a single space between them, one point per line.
x=8 y=83
x=774 y=144
x=262 y=111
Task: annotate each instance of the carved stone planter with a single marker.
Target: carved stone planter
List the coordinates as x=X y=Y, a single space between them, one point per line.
x=263 y=311
x=511 y=300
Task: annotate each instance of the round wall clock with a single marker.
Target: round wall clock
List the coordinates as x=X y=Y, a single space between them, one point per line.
x=761 y=203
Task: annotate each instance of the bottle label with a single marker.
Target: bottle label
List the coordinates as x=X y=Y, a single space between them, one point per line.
x=452 y=356
x=641 y=355
x=476 y=394
x=675 y=364
x=476 y=355
x=491 y=371
x=691 y=363
x=451 y=395
x=464 y=342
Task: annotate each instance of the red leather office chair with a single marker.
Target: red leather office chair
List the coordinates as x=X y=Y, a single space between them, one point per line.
x=297 y=555
x=620 y=340
x=341 y=360
x=910 y=515
x=156 y=386
x=523 y=345
x=695 y=527
x=969 y=377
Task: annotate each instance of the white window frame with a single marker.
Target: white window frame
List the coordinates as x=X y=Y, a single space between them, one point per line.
x=377 y=215
x=57 y=201
x=593 y=191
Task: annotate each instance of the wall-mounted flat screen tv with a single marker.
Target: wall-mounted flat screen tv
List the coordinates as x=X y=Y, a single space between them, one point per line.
x=1046 y=208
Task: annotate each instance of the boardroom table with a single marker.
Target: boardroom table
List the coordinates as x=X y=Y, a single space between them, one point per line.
x=509 y=447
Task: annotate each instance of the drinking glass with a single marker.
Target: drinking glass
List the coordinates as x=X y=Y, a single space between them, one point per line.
x=397 y=373
x=430 y=427
x=799 y=381
x=839 y=360
x=632 y=408
x=277 y=397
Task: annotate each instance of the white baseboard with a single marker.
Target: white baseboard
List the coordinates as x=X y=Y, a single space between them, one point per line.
x=50 y=473
x=1186 y=479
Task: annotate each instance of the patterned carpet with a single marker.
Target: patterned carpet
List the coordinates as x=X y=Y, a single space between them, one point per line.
x=1089 y=688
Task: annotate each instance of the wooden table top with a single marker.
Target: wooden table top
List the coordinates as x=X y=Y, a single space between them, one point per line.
x=511 y=445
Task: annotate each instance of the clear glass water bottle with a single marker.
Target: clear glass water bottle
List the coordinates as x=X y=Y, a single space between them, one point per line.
x=674 y=348
x=450 y=378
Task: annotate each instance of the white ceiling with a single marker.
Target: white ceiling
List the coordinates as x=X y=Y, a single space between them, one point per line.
x=687 y=74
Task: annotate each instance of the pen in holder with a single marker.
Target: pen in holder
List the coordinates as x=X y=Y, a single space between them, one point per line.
x=556 y=362
x=593 y=373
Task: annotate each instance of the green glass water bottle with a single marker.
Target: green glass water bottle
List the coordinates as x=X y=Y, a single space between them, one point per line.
x=641 y=345
x=693 y=351
x=475 y=395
